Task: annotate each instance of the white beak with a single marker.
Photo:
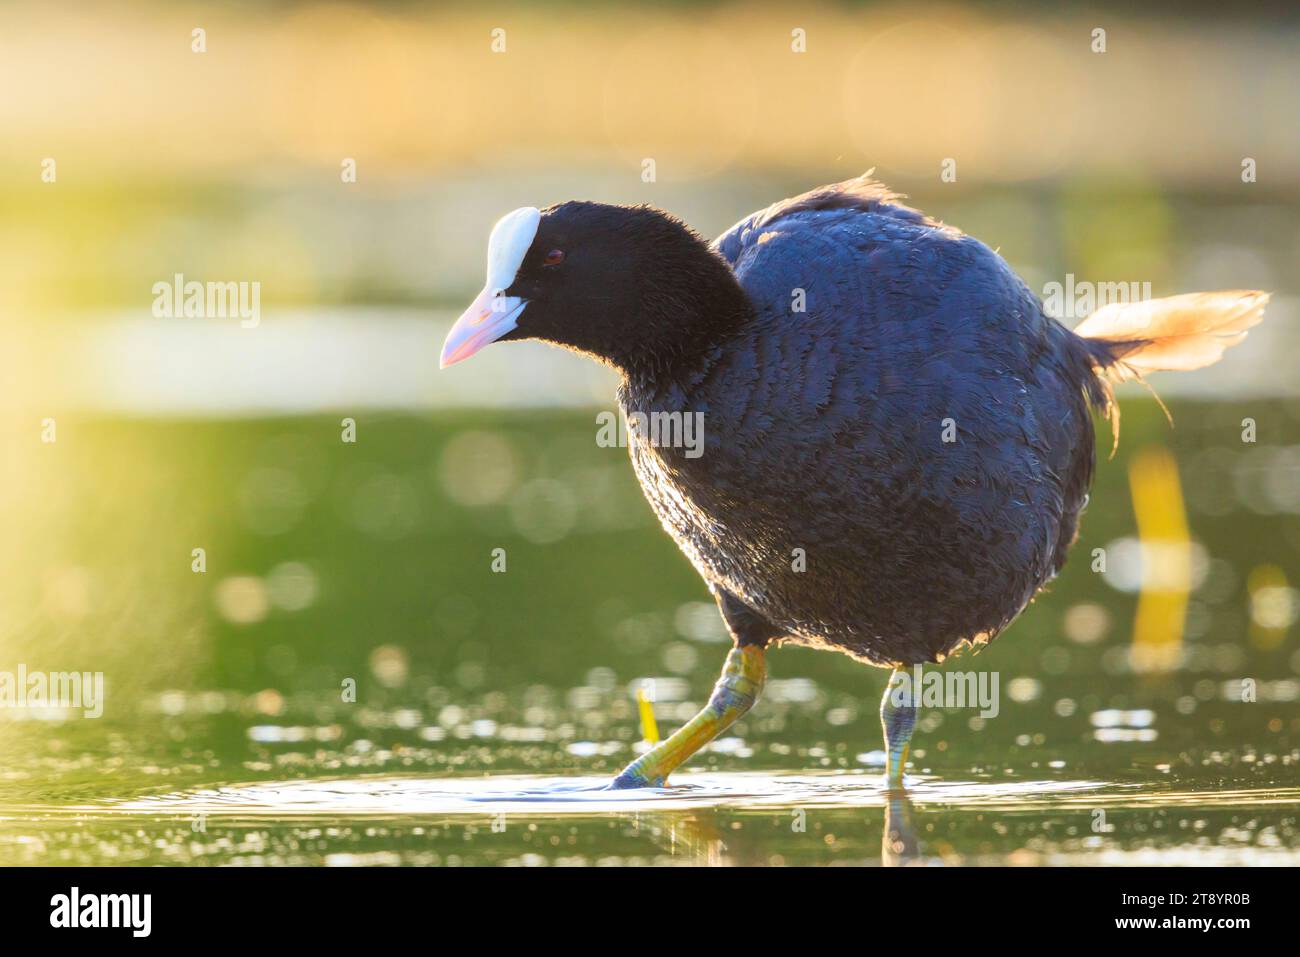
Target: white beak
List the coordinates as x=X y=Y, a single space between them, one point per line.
x=492 y=314
x=489 y=317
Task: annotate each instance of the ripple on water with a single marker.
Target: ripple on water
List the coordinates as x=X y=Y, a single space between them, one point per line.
x=404 y=796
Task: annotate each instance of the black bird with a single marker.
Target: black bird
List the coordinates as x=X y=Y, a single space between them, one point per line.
x=897 y=440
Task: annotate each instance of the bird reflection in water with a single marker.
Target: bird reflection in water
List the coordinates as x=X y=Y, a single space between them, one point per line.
x=702 y=838
x=898 y=844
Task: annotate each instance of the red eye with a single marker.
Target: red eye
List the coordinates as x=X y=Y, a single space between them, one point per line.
x=554 y=257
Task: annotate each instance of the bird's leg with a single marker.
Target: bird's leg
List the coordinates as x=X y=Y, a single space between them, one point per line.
x=733 y=695
x=898 y=717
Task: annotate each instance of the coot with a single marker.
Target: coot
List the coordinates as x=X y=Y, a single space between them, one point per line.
x=897 y=440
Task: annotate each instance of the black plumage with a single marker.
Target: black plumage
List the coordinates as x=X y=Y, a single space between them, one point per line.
x=825 y=433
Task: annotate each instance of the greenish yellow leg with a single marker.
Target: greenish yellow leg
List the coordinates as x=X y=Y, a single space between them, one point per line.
x=733 y=695
x=897 y=717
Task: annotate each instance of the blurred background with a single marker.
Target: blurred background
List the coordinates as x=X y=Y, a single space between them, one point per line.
x=1164 y=150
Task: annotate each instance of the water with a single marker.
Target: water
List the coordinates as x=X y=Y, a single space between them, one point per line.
x=742 y=817
x=487 y=710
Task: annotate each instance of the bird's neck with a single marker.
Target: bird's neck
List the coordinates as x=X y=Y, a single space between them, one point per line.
x=681 y=321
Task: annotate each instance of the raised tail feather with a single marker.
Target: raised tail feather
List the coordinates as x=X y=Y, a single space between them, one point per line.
x=1128 y=340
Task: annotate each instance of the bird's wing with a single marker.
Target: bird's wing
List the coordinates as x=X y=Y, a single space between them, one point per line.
x=879 y=332
x=861 y=194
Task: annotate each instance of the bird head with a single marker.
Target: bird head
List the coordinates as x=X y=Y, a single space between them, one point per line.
x=615 y=282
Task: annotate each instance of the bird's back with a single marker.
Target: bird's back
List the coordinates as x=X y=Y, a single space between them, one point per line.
x=897 y=445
